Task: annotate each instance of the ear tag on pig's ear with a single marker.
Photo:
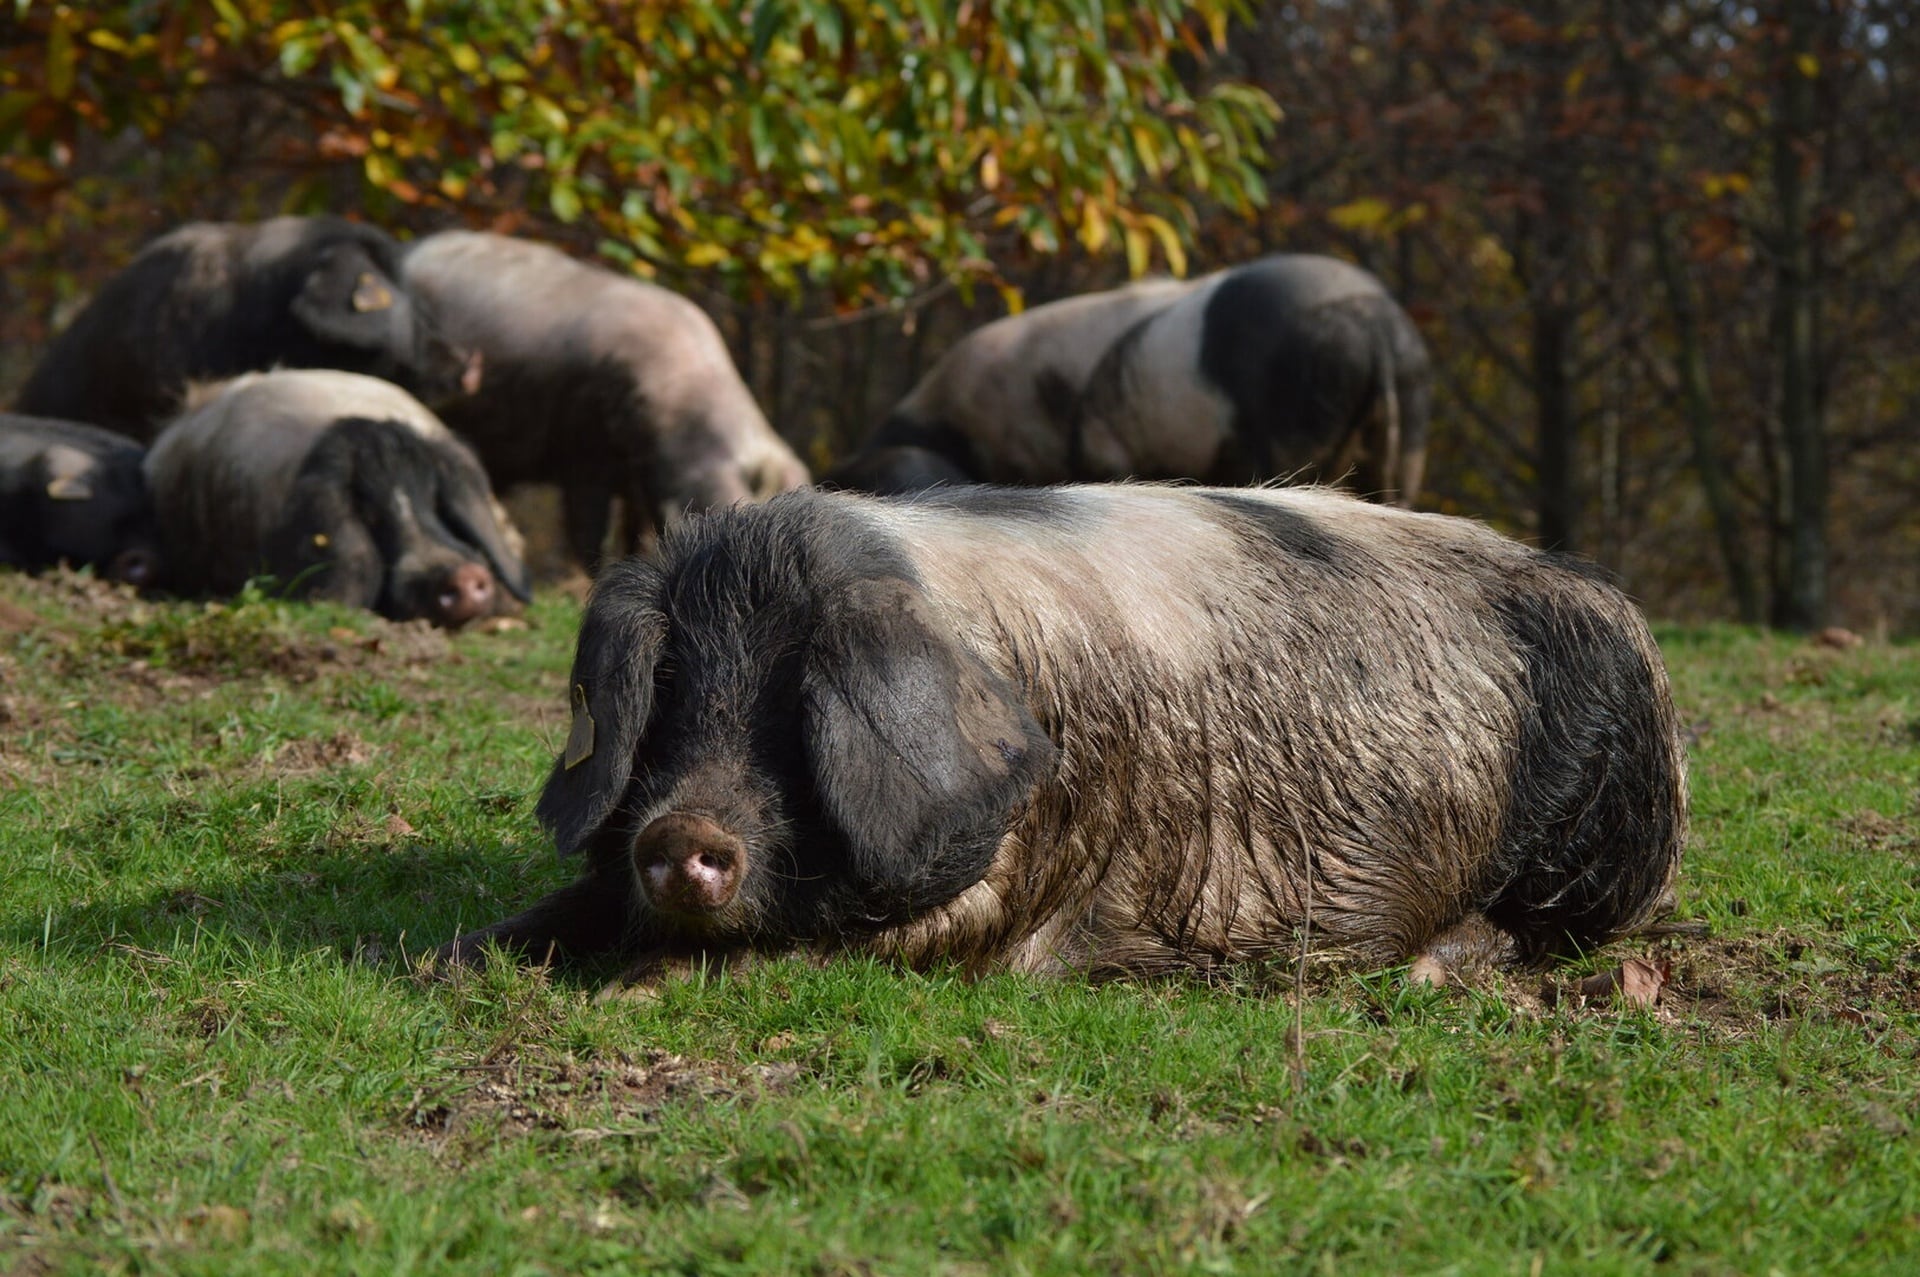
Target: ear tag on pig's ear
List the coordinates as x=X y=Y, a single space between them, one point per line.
x=370 y=294
x=580 y=737
x=68 y=487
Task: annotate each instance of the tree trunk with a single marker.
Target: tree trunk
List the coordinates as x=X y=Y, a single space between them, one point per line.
x=1549 y=288
x=1696 y=399
x=1800 y=580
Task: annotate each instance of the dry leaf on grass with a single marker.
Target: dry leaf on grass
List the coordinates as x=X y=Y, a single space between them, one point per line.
x=1837 y=637
x=1634 y=983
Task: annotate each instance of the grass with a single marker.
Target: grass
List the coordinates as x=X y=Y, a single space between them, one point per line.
x=223 y=833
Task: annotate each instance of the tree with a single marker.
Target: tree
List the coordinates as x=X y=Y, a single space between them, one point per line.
x=874 y=148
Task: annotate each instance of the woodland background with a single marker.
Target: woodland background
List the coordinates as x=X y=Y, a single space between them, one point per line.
x=1664 y=253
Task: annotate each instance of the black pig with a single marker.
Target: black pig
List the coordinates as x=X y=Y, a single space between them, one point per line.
x=212 y=299
x=75 y=493
x=343 y=487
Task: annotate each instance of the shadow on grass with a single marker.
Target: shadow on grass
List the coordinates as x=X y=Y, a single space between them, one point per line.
x=376 y=905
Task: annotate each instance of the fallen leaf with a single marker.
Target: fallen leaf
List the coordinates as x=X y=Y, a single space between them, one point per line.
x=1836 y=637
x=398 y=826
x=1635 y=983
x=500 y=625
x=224 y=1224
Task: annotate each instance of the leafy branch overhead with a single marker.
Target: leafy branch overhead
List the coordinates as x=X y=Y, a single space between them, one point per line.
x=874 y=147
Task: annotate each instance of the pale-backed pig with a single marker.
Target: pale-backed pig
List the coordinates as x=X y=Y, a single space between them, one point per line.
x=1000 y=406
x=212 y=299
x=342 y=487
x=75 y=494
x=1291 y=366
x=1106 y=729
x=610 y=387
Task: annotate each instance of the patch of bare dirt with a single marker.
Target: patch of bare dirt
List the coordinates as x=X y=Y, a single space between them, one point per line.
x=1881 y=834
x=321 y=754
x=1742 y=984
x=586 y=1100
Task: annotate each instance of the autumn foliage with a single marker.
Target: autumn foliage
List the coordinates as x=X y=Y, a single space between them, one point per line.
x=874 y=148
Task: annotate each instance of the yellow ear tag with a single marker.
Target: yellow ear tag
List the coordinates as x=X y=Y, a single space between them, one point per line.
x=580 y=737
x=70 y=488
x=370 y=294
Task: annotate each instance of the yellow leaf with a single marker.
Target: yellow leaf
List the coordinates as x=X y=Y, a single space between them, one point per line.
x=1145 y=148
x=1139 y=250
x=704 y=255
x=1170 y=244
x=107 y=40
x=1093 y=227
x=1364 y=214
x=990 y=170
x=1016 y=300
x=1809 y=65
x=466 y=58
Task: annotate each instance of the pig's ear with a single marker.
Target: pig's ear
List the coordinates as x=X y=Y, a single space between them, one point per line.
x=68 y=472
x=321 y=549
x=468 y=509
x=611 y=695
x=920 y=753
x=348 y=299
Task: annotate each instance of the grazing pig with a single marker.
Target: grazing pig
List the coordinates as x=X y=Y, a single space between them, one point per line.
x=607 y=386
x=212 y=299
x=75 y=493
x=1000 y=406
x=1289 y=365
x=344 y=487
x=1293 y=365
x=1108 y=729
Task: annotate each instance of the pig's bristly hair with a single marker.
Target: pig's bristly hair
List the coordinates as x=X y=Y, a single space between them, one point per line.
x=1454 y=725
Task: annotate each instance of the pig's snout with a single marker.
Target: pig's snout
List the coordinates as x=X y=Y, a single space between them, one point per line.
x=467 y=592
x=137 y=566
x=688 y=864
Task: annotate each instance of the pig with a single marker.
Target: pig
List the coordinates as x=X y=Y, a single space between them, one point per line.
x=1111 y=730
x=1000 y=406
x=343 y=487
x=1293 y=365
x=1290 y=366
x=75 y=493
x=610 y=387
x=213 y=299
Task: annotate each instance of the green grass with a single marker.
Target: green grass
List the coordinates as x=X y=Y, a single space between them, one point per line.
x=225 y=832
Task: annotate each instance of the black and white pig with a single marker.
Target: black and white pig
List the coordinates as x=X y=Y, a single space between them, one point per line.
x=610 y=387
x=1108 y=729
x=1295 y=365
x=213 y=299
x=1000 y=406
x=1288 y=366
x=344 y=487
x=73 y=493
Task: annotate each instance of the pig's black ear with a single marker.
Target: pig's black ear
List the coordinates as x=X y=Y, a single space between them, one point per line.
x=468 y=509
x=348 y=299
x=321 y=549
x=920 y=753
x=611 y=695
